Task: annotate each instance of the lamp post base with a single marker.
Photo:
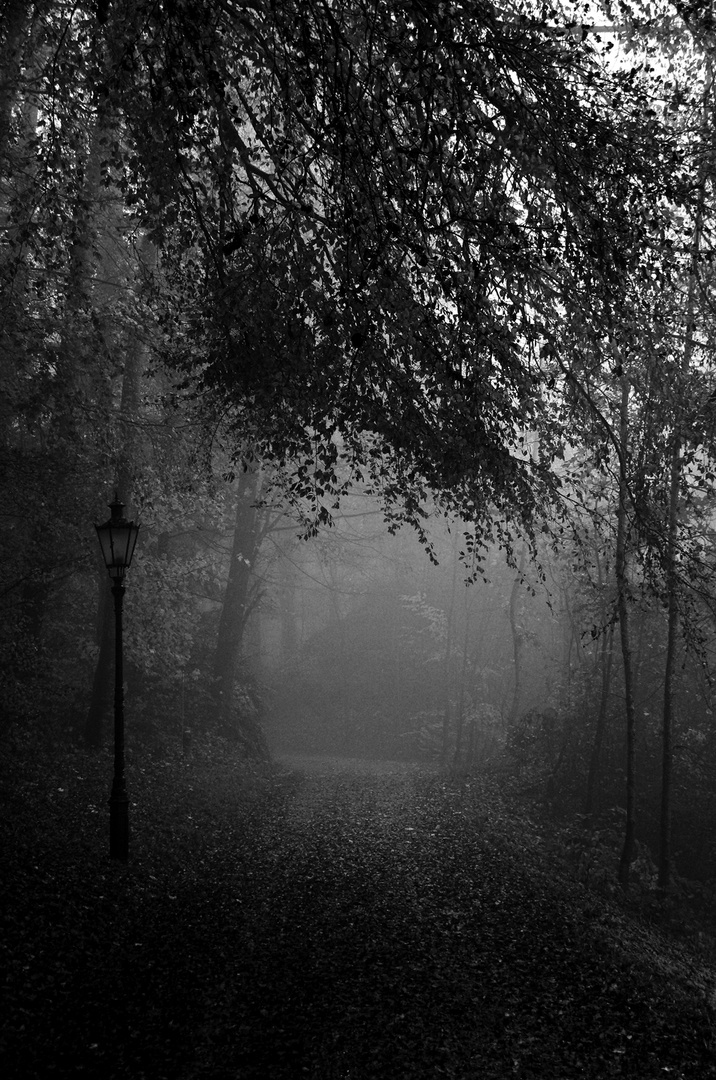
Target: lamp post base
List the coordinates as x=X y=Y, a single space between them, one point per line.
x=119 y=826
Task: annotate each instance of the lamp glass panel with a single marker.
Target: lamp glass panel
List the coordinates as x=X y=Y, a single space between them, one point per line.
x=117 y=542
x=123 y=540
x=104 y=536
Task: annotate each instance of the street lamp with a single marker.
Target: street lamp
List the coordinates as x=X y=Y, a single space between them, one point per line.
x=117 y=538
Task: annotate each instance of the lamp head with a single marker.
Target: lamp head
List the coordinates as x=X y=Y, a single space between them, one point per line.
x=117 y=539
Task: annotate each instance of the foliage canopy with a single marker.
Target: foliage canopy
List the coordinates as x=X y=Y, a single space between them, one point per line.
x=374 y=221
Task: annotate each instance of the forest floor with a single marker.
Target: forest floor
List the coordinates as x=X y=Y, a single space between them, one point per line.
x=334 y=920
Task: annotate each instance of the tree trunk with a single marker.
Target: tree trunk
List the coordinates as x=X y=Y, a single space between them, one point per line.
x=232 y=622
x=73 y=374
x=607 y=653
x=672 y=633
x=667 y=756
x=288 y=608
x=517 y=642
x=461 y=688
x=605 y=667
x=447 y=667
x=129 y=413
x=623 y=601
x=667 y=753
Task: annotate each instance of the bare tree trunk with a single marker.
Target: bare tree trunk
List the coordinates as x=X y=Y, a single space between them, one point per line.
x=73 y=376
x=672 y=634
x=607 y=654
x=461 y=688
x=667 y=752
x=289 y=618
x=623 y=601
x=517 y=642
x=236 y=608
x=667 y=756
x=135 y=355
x=447 y=668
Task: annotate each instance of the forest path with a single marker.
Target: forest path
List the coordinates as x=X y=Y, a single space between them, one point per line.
x=330 y=920
x=373 y=791
x=392 y=934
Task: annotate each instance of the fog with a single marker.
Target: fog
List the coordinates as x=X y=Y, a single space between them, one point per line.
x=364 y=646
x=370 y=649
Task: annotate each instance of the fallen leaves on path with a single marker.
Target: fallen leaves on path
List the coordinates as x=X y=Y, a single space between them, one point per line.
x=323 y=922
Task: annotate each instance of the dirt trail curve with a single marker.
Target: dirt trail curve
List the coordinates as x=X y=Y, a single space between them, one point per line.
x=380 y=792
x=392 y=935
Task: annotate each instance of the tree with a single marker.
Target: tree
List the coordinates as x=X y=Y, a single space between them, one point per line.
x=389 y=211
x=240 y=595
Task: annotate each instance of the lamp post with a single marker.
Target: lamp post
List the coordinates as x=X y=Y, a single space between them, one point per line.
x=117 y=538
